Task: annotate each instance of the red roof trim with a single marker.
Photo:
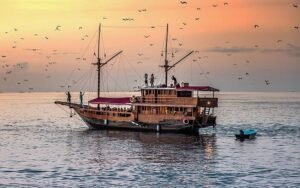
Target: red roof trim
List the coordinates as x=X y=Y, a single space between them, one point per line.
x=109 y=100
x=196 y=88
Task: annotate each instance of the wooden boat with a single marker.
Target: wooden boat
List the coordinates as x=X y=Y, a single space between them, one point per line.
x=163 y=108
x=246 y=134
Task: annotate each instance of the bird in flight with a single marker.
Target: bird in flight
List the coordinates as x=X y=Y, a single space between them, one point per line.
x=183 y=2
x=128 y=19
x=198 y=8
x=296 y=27
x=214 y=5
x=57 y=28
x=225 y=3
x=256 y=26
x=80 y=27
x=267 y=82
x=146 y=36
x=197 y=19
x=294 y=5
x=32 y=49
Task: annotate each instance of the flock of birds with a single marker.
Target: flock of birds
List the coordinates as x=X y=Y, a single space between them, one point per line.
x=9 y=69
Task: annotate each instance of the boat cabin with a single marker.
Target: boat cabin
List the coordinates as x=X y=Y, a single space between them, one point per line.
x=159 y=103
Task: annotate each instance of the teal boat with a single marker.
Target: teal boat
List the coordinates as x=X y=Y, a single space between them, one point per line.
x=246 y=134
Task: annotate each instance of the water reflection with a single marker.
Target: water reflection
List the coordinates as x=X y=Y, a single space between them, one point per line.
x=150 y=147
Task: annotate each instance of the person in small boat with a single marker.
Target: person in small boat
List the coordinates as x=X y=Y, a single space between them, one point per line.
x=146 y=79
x=241 y=132
x=81 y=98
x=152 y=80
x=68 y=96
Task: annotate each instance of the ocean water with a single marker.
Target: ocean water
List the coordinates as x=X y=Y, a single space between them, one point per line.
x=41 y=146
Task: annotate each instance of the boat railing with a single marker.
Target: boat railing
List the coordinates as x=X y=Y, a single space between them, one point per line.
x=202 y=102
x=111 y=112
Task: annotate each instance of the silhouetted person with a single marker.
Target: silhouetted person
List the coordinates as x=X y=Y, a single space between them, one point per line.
x=174 y=80
x=152 y=80
x=242 y=132
x=146 y=79
x=68 y=96
x=81 y=98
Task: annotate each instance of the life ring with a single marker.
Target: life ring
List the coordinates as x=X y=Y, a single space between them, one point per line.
x=185 y=121
x=132 y=99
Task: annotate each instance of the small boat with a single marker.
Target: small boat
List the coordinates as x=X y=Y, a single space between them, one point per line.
x=246 y=134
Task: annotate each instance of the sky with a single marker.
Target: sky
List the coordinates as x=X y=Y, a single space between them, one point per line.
x=239 y=45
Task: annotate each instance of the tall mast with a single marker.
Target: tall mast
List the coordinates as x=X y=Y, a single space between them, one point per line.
x=166 y=57
x=99 y=62
x=166 y=66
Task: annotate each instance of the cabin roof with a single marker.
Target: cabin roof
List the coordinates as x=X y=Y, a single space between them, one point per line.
x=184 y=88
x=110 y=100
x=196 y=88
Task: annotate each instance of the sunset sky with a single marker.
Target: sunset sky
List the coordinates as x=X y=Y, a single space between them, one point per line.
x=46 y=45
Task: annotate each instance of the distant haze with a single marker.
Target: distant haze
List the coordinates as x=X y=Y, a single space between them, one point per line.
x=248 y=45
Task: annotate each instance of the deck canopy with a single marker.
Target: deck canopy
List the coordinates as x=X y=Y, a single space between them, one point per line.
x=112 y=101
x=196 y=88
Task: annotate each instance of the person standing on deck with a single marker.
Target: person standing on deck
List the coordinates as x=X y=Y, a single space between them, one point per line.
x=81 y=98
x=152 y=80
x=68 y=96
x=146 y=79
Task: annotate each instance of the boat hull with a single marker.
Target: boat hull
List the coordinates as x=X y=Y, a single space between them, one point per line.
x=238 y=136
x=136 y=126
x=94 y=121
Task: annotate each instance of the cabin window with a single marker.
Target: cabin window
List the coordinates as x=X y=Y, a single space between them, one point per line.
x=184 y=94
x=170 y=109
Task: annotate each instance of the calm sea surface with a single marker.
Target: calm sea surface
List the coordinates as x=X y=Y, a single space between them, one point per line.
x=41 y=146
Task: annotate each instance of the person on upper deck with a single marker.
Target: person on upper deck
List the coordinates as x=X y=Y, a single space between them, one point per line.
x=146 y=79
x=174 y=80
x=152 y=80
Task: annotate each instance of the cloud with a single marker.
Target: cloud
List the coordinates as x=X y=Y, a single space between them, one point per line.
x=295 y=50
x=232 y=49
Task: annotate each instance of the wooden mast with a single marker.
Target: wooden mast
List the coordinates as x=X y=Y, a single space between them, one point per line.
x=166 y=66
x=99 y=63
x=166 y=57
